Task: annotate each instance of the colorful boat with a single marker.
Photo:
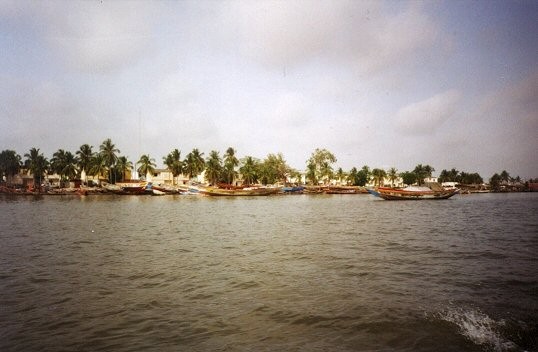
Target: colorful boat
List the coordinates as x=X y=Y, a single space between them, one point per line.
x=254 y=191
x=412 y=193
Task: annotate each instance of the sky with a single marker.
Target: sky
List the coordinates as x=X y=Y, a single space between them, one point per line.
x=452 y=84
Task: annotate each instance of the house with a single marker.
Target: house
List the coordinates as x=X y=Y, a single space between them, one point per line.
x=165 y=177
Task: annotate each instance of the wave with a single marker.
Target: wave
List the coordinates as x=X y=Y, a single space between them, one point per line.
x=479 y=328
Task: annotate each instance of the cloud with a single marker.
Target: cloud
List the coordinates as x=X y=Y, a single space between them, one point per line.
x=96 y=36
x=425 y=117
x=363 y=35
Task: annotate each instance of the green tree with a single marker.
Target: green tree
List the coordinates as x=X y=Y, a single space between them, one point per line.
x=340 y=175
x=70 y=170
x=213 y=168
x=320 y=163
x=10 y=164
x=85 y=155
x=379 y=176
x=353 y=177
x=174 y=164
x=365 y=174
x=311 y=173
x=109 y=153
x=274 y=169
x=505 y=176
x=97 y=166
x=495 y=182
x=37 y=165
x=423 y=171
x=230 y=164
x=147 y=165
x=449 y=176
x=249 y=170
x=123 y=166
x=393 y=175
x=64 y=164
x=194 y=163
x=408 y=177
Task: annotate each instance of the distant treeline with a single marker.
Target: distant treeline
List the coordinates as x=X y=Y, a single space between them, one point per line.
x=108 y=163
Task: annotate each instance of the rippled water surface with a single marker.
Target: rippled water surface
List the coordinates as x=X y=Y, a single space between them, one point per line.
x=279 y=273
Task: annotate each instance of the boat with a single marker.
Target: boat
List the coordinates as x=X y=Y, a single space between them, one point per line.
x=344 y=190
x=127 y=187
x=156 y=192
x=164 y=188
x=412 y=193
x=293 y=189
x=247 y=191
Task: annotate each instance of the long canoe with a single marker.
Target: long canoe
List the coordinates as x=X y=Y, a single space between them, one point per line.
x=403 y=194
x=261 y=191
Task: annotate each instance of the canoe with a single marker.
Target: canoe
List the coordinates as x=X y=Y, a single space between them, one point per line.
x=344 y=190
x=258 y=191
x=412 y=193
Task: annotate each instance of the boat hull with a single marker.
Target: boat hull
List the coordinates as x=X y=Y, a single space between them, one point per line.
x=212 y=191
x=398 y=194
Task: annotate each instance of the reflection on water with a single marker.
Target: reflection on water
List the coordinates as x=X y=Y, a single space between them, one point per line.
x=290 y=273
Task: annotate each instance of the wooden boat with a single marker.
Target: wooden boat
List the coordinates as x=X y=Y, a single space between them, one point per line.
x=156 y=192
x=412 y=193
x=344 y=190
x=127 y=188
x=256 y=191
x=164 y=188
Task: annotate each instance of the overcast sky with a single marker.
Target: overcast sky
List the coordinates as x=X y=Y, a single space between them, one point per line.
x=453 y=84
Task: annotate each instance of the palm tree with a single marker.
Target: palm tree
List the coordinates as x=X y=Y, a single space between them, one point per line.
x=36 y=164
x=65 y=165
x=147 y=165
x=365 y=174
x=70 y=169
x=505 y=176
x=393 y=175
x=122 y=166
x=173 y=163
x=249 y=170
x=109 y=152
x=213 y=168
x=379 y=175
x=57 y=162
x=10 y=164
x=97 y=166
x=422 y=172
x=353 y=176
x=194 y=163
x=230 y=163
x=340 y=175
x=85 y=155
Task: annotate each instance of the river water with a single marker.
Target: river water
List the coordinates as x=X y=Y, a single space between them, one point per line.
x=278 y=273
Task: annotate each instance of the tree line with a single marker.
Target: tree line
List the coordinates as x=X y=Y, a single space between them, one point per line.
x=107 y=162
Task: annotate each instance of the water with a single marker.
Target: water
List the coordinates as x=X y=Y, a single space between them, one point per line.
x=288 y=273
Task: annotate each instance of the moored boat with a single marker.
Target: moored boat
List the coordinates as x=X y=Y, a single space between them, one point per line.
x=250 y=191
x=292 y=189
x=412 y=193
x=127 y=187
x=344 y=190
